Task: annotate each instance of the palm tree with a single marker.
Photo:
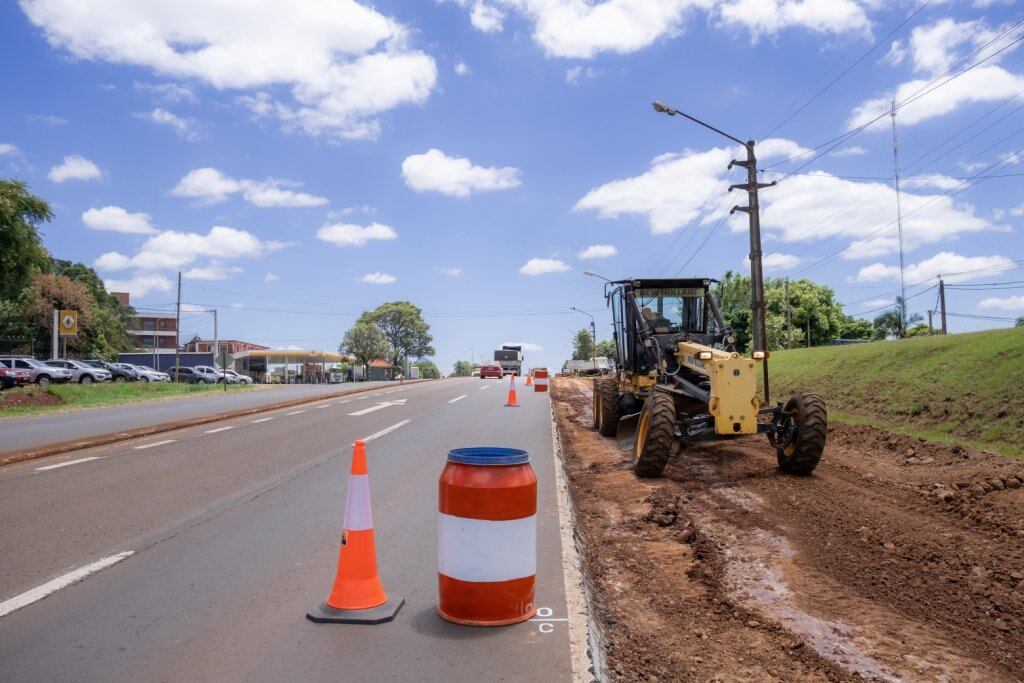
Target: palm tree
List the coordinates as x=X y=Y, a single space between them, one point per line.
x=894 y=322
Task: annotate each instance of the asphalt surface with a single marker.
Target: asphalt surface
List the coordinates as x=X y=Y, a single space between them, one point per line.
x=41 y=430
x=234 y=535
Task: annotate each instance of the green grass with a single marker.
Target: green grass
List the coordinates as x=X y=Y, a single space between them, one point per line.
x=964 y=388
x=79 y=396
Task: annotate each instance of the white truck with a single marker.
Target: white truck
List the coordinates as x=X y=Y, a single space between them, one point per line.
x=594 y=366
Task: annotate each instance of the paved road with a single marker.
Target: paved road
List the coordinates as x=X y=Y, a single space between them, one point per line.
x=40 y=430
x=234 y=535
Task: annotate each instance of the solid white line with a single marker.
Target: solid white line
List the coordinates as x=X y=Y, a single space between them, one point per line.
x=40 y=592
x=155 y=443
x=295 y=412
x=65 y=464
x=262 y=419
x=218 y=429
x=390 y=429
x=458 y=398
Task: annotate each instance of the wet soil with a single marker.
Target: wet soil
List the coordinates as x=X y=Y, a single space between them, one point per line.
x=897 y=560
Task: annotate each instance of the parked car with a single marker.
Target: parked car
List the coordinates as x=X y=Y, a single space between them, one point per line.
x=41 y=373
x=221 y=377
x=490 y=370
x=146 y=373
x=191 y=375
x=9 y=377
x=239 y=378
x=117 y=373
x=82 y=373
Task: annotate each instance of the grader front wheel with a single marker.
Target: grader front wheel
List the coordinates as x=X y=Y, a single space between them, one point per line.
x=655 y=435
x=607 y=408
x=801 y=439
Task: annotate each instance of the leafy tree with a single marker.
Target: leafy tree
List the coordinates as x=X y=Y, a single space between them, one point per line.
x=918 y=330
x=428 y=370
x=404 y=328
x=1020 y=321
x=22 y=254
x=855 y=328
x=583 y=345
x=462 y=368
x=893 y=323
x=605 y=349
x=366 y=342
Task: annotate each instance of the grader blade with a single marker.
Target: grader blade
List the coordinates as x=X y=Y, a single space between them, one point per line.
x=626 y=433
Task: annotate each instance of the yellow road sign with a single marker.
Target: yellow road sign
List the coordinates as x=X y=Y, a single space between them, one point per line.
x=68 y=323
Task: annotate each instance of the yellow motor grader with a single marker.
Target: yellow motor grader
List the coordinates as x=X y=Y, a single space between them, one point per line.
x=680 y=380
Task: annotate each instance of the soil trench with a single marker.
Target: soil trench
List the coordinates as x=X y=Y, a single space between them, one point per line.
x=897 y=560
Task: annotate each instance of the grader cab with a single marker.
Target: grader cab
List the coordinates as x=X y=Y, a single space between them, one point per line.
x=680 y=380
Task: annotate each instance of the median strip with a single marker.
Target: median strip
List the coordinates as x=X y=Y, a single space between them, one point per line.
x=387 y=430
x=65 y=464
x=40 y=592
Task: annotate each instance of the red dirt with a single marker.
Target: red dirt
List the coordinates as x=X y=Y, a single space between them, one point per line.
x=28 y=397
x=897 y=560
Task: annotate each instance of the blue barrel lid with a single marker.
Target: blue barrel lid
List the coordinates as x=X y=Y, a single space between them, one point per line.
x=488 y=455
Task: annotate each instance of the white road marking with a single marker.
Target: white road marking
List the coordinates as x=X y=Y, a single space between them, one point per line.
x=218 y=429
x=327 y=405
x=262 y=419
x=458 y=398
x=65 y=464
x=388 y=430
x=347 y=400
x=155 y=443
x=295 y=412
x=379 y=406
x=486 y=386
x=40 y=592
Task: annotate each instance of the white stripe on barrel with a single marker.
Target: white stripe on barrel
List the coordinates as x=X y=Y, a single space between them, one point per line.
x=485 y=550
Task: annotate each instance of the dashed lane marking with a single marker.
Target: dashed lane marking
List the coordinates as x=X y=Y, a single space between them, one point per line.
x=155 y=443
x=262 y=419
x=218 y=429
x=65 y=464
x=295 y=412
x=458 y=398
x=40 y=592
x=387 y=430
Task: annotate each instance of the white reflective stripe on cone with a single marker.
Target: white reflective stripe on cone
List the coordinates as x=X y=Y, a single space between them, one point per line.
x=486 y=550
x=358 y=516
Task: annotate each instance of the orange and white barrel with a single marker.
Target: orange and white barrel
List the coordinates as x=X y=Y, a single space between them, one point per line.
x=487 y=537
x=540 y=379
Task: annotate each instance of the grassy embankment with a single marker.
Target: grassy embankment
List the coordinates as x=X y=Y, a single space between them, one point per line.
x=65 y=397
x=964 y=388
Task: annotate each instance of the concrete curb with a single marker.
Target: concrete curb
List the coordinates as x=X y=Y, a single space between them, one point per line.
x=12 y=457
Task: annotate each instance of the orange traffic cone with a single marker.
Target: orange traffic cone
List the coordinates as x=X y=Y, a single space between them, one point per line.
x=357 y=596
x=512 y=392
x=529 y=379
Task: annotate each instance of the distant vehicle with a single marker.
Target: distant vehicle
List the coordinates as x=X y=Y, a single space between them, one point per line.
x=238 y=378
x=510 y=358
x=414 y=372
x=191 y=375
x=220 y=375
x=117 y=373
x=146 y=373
x=82 y=373
x=10 y=377
x=491 y=370
x=41 y=373
x=594 y=366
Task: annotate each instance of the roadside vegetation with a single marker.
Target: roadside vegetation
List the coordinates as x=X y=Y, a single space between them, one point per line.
x=963 y=388
x=65 y=397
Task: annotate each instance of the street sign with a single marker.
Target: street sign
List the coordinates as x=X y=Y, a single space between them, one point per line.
x=68 y=323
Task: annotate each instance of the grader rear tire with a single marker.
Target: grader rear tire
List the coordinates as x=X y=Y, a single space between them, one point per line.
x=801 y=452
x=607 y=407
x=655 y=435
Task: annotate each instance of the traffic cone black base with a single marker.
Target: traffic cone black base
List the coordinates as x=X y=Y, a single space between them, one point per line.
x=325 y=614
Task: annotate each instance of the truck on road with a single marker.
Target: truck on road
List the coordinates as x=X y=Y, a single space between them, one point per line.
x=594 y=366
x=510 y=358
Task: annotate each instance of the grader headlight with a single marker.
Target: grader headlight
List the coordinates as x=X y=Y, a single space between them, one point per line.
x=706 y=355
x=758 y=355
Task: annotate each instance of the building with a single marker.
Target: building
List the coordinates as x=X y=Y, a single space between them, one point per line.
x=155 y=333
x=230 y=346
x=381 y=371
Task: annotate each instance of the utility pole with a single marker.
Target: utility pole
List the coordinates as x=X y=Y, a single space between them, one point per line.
x=808 y=330
x=942 y=304
x=54 y=350
x=789 y=317
x=177 y=331
x=899 y=219
x=931 y=328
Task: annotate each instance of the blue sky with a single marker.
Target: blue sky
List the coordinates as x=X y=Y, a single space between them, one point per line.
x=302 y=164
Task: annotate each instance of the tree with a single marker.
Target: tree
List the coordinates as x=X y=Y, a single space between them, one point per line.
x=583 y=345
x=404 y=328
x=855 y=328
x=22 y=254
x=1020 y=321
x=893 y=323
x=428 y=370
x=366 y=343
x=462 y=368
x=605 y=349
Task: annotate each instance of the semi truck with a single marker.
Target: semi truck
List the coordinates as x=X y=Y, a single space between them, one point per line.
x=510 y=358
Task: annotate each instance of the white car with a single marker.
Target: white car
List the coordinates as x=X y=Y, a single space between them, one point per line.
x=239 y=378
x=221 y=376
x=148 y=374
x=82 y=373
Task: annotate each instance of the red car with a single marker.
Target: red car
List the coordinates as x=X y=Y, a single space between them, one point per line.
x=490 y=370
x=10 y=377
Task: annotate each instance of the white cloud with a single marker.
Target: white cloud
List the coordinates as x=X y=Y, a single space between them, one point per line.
x=452 y=272
x=577 y=74
x=116 y=219
x=540 y=266
x=951 y=266
x=7 y=148
x=349 y=210
x=49 y=119
x=1013 y=304
x=1017 y=210
x=527 y=346
x=333 y=67
x=377 y=279
x=456 y=176
x=171 y=249
x=112 y=261
x=208 y=186
x=775 y=262
x=270 y=277
x=486 y=18
x=140 y=284
x=853 y=151
x=769 y=17
x=211 y=271
x=936 y=180
x=168 y=92
x=186 y=128
x=462 y=69
x=351 y=235
x=237 y=305
x=598 y=251
x=75 y=167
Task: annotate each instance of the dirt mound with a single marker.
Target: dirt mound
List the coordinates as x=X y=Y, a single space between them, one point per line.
x=898 y=559
x=28 y=397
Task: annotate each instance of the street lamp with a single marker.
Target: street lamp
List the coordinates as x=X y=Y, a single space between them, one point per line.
x=753 y=210
x=593 y=328
x=593 y=274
